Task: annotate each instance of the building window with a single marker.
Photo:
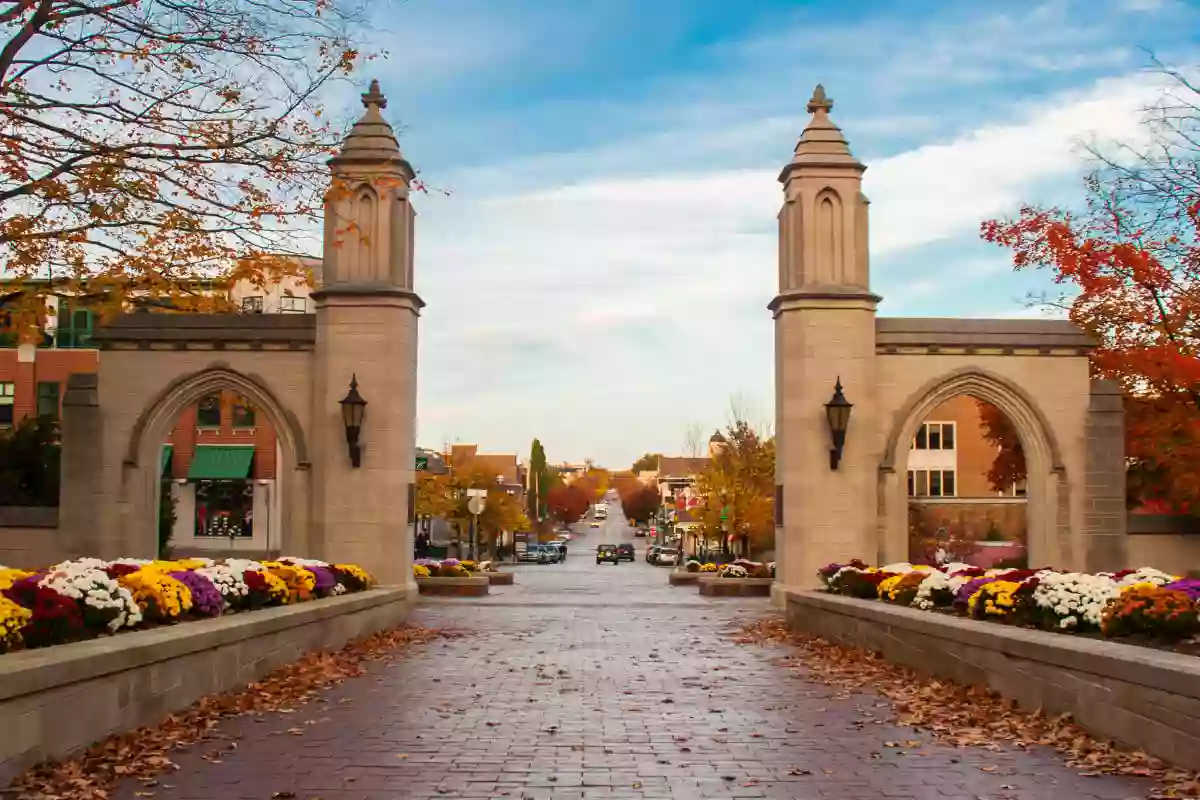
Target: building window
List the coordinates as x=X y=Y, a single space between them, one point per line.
x=208 y=412
x=243 y=414
x=1018 y=489
x=292 y=305
x=252 y=304
x=934 y=436
x=47 y=399
x=7 y=398
x=931 y=483
x=74 y=328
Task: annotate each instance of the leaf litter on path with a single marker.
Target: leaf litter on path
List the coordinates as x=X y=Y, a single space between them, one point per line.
x=964 y=716
x=144 y=753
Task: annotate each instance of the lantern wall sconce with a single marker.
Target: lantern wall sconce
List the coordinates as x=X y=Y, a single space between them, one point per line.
x=354 y=408
x=837 y=413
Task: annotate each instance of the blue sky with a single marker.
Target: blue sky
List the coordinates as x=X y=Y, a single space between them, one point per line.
x=599 y=273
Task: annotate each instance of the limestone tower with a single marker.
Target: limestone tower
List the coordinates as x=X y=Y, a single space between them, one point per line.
x=824 y=330
x=716 y=443
x=367 y=330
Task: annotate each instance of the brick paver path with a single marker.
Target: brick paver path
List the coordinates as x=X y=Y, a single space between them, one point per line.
x=601 y=682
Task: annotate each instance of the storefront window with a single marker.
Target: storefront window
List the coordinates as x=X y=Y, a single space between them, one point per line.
x=225 y=509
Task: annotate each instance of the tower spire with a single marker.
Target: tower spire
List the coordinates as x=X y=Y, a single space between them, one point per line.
x=822 y=143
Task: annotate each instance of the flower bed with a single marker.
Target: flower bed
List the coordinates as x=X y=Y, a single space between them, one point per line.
x=1144 y=605
x=453 y=568
x=86 y=598
x=741 y=568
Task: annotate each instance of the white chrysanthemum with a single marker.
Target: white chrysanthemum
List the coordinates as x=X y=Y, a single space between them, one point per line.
x=1147 y=575
x=933 y=582
x=80 y=565
x=1075 y=595
x=901 y=567
x=229 y=582
x=244 y=564
x=303 y=562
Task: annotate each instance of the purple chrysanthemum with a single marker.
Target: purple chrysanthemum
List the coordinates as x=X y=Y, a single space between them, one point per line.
x=325 y=579
x=1189 y=586
x=206 y=598
x=971 y=587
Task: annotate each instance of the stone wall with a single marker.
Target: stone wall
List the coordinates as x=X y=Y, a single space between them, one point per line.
x=1145 y=698
x=29 y=536
x=58 y=700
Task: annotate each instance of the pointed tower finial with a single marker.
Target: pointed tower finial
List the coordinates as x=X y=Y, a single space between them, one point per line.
x=819 y=101
x=374 y=97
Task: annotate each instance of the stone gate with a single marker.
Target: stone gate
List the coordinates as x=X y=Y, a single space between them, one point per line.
x=894 y=371
x=295 y=368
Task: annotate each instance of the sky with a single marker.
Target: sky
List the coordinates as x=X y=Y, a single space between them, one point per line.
x=598 y=261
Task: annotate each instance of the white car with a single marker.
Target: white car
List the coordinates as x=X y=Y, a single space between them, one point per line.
x=667 y=557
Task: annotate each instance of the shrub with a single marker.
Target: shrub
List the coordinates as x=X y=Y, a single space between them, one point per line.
x=692 y=566
x=1151 y=611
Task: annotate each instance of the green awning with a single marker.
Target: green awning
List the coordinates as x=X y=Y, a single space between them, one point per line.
x=165 y=465
x=218 y=462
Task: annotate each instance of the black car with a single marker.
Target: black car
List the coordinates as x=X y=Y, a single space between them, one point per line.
x=625 y=551
x=607 y=552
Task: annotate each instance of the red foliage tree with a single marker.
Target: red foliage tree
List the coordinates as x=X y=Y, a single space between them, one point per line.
x=1130 y=268
x=640 y=504
x=568 y=504
x=1008 y=467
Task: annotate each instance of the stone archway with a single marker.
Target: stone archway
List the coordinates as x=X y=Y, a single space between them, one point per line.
x=158 y=418
x=1048 y=501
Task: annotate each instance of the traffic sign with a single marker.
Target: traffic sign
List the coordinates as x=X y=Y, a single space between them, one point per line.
x=422 y=462
x=476 y=505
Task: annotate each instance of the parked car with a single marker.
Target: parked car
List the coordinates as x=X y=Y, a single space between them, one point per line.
x=530 y=553
x=641 y=533
x=607 y=552
x=652 y=554
x=667 y=557
x=625 y=551
x=559 y=549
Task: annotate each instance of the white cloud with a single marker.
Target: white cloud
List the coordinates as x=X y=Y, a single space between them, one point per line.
x=641 y=299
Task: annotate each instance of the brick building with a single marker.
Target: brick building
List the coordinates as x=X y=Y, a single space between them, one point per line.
x=221 y=457
x=948 y=487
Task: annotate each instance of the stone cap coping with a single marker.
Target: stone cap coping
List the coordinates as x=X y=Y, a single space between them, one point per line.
x=265 y=328
x=951 y=332
x=1159 y=524
x=1144 y=666
x=29 y=671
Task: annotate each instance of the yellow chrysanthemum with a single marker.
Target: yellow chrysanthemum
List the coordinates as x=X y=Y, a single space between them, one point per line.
x=10 y=575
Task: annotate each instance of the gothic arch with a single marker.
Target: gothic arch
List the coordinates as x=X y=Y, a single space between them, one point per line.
x=1047 y=499
x=158 y=418
x=830 y=223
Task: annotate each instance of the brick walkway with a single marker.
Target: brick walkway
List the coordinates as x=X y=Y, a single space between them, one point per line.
x=601 y=682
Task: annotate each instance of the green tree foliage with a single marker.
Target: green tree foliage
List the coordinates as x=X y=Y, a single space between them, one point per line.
x=29 y=463
x=648 y=462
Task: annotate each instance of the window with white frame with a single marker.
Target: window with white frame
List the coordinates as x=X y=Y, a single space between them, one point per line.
x=931 y=483
x=7 y=399
x=1018 y=489
x=293 y=305
x=252 y=304
x=934 y=436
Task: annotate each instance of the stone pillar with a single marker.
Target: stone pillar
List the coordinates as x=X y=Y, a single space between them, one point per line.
x=1105 y=514
x=824 y=331
x=367 y=330
x=81 y=495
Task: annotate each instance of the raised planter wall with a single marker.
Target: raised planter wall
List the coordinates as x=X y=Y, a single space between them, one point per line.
x=454 y=587
x=499 y=578
x=681 y=577
x=1147 y=699
x=735 y=587
x=58 y=700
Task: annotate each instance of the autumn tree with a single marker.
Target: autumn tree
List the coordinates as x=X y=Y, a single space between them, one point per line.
x=1008 y=467
x=647 y=463
x=738 y=488
x=150 y=144
x=445 y=496
x=568 y=503
x=1129 y=265
x=641 y=503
